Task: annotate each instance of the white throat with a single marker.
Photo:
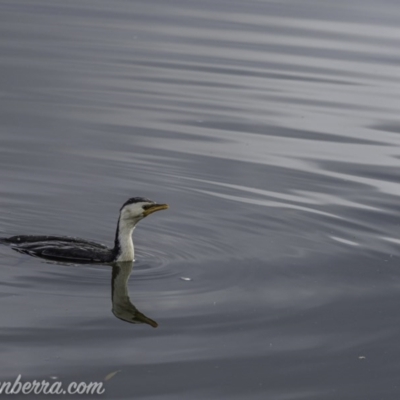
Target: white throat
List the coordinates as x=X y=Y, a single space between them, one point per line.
x=126 y=248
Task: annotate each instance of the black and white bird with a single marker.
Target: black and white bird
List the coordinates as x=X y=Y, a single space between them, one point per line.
x=70 y=249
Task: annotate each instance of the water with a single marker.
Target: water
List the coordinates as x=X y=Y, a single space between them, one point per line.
x=272 y=131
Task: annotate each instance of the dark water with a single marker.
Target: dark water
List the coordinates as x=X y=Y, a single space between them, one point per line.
x=271 y=128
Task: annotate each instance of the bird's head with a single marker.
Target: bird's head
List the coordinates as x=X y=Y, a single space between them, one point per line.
x=137 y=208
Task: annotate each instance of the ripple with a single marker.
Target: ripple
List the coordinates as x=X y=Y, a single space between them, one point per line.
x=174 y=250
x=271 y=128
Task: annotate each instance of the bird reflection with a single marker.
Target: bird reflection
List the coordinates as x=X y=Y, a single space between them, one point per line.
x=122 y=307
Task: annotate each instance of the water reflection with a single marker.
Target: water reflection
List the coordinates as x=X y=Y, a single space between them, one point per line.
x=122 y=306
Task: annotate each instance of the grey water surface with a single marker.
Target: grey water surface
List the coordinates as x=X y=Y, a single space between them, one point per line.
x=272 y=130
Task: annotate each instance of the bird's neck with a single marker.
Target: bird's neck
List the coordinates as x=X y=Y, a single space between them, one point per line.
x=119 y=284
x=123 y=244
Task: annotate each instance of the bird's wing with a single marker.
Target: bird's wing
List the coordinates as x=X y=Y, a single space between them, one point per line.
x=59 y=250
x=49 y=240
x=71 y=254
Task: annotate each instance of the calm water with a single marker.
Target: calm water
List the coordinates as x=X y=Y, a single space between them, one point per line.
x=271 y=128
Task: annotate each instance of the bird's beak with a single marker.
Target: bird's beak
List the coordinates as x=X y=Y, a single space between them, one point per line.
x=153 y=208
x=141 y=318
